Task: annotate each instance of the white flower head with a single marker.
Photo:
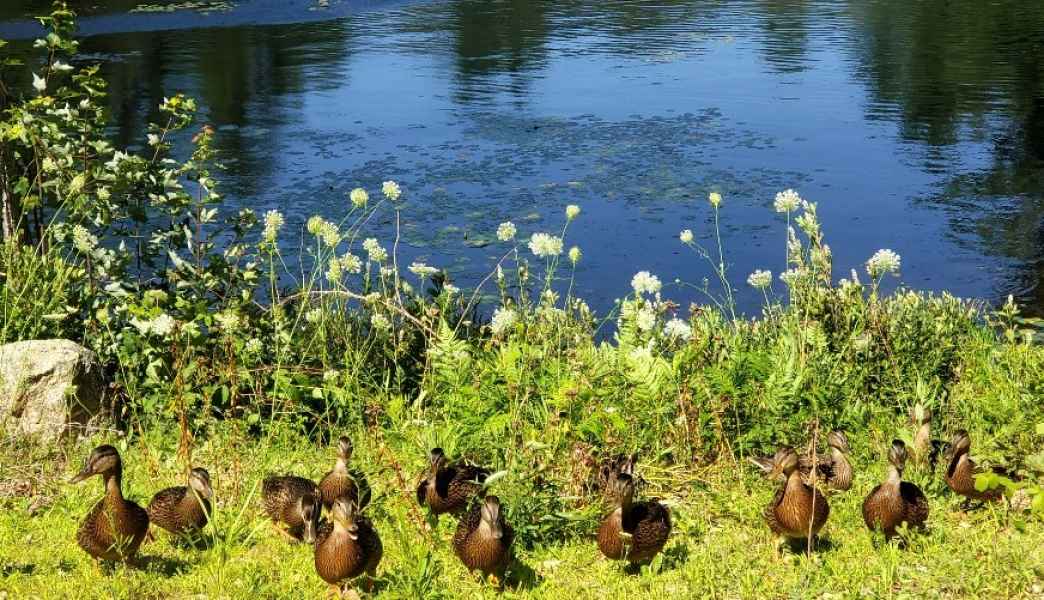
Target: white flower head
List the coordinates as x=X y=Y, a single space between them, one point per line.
x=450 y=289
x=575 y=254
x=503 y=320
x=374 y=250
x=351 y=263
x=678 y=329
x=422 y=270
x=760 y=279
x=646 y=319
x=506 y=231
x=787 y=201
x=791 y=276
x=380 y=322
x=254 y=346
x=883 y=262
x=331 y=236
x=686 y=236
x=153 y=139
x=715 y=199
x=359 y=197
x=315 y=225
x=227 y=320
x=391 y=190
x=39 y=83
x=314 y=316
x=163 y=325
x=84 y=241
x=644 y=282
x=572 y=212
x=273 y=223
x=334 y=270
x=545 y=245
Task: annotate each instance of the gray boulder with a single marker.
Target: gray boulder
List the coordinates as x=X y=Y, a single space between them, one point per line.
x=48 y=388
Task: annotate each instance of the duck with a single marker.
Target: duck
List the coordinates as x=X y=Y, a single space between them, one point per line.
x=833 y=468
x=605 y=472
x=446 y=488
x=183 y=509
x=483 y=538
x=347 y=546
x=961 y=471
x=295 y=502
x=924 y=450
x=115 y=527
x=633 y=531
x=895 y=501
x=339 y=482
x=797 y=506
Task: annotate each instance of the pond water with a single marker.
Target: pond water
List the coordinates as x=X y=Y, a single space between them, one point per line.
x=915 y=126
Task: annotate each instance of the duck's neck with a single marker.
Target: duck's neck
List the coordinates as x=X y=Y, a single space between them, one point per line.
x=795 y=485
x=113 y=489
x=837 y=455
x=959 y=461
x=893 y=478
x=341 y=466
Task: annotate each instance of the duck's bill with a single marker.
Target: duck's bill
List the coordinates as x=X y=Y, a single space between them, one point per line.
x=80 y=476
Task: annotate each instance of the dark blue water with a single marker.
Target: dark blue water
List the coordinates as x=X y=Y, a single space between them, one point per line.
x=916 y=126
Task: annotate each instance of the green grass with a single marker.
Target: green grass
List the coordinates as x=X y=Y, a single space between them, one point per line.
x=720 y=546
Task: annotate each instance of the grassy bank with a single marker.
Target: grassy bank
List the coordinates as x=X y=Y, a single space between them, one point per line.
x=720 y=547
x=223 y=351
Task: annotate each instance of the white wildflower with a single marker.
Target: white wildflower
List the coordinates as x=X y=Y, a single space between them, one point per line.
x=503 y=320
x=254 y=346
x=163 y=325
x=760 y=279
x=791 y=276
x=334 y=271
x=714 y=199
x=882 y=262
x=545 y=245
x=227 y=320
x=331 y=236
x=314 y=316
x=84 y=241
x=380 y=322
x=351 y=263
x=422 y=270
x=315 y=225
x=387 y=272
x=646 y=319
x=787 y=201
x=39 y=83
x=359 y=197
x=575 y=255
x=686 y=236
x=678 y=329
x=644 y=282
x=61 y=67
x=506 y=231
x=273 y=223
x=391 y=190
x=154 y=139
x=450 y=289
x=641 y=353
x=572 y=212
x=374 y=250
x=548 y=298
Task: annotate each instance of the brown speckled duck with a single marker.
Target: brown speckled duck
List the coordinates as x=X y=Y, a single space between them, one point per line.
x=183 y=509
x=294 y=502
x=796 y=505
x=342 y=483
x=448 y=488
x=483 y=539
x=114 y=529
x=895 y=501
x=605 y=472
x=832 y=468
x=347 y=547
x=633 y=531
x=961 y=470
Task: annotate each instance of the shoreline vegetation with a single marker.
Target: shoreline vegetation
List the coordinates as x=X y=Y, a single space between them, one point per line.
x=218 y=356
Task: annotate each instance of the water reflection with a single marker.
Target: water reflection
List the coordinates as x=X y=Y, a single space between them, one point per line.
x=918 y=126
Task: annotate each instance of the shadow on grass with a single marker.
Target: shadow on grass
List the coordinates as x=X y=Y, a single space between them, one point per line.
x=162 y=565
x=820 y=545
x=17 y=569
x=521 y=576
